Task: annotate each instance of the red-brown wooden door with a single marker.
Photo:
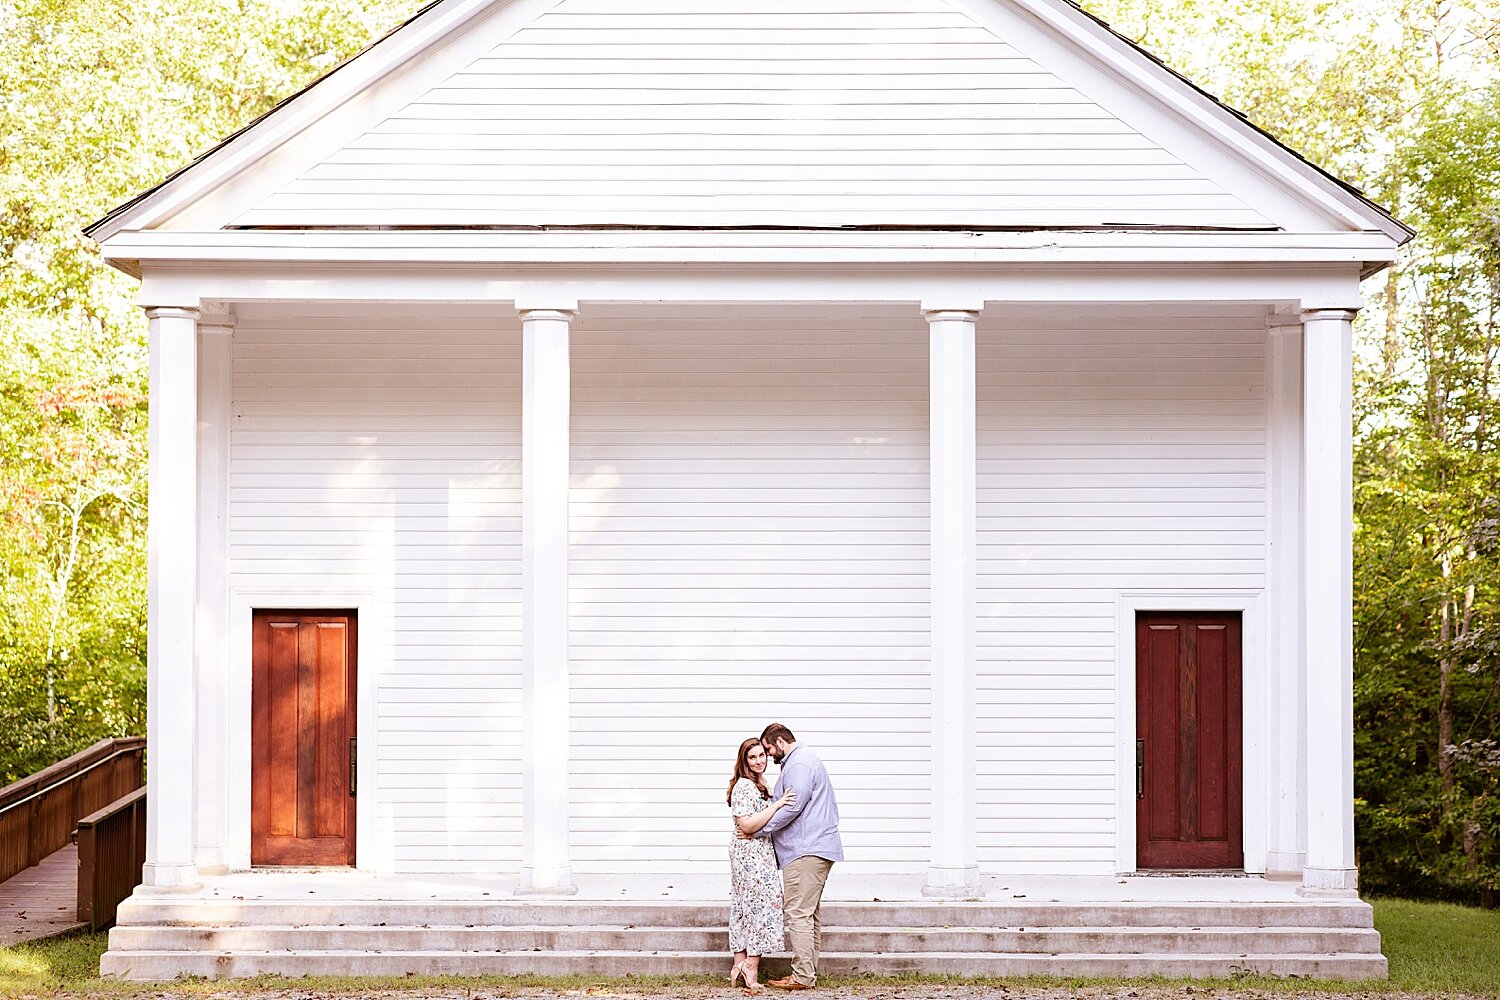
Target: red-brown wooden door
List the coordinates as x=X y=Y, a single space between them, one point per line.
x=302 y=725
x=1188 y=796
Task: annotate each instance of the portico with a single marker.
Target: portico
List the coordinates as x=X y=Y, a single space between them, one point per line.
x=1313 y=311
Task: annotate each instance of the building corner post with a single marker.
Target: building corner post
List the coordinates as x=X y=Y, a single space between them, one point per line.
x=954 y=871
x=211 y=778
x=1286 y=716
x=1328 y=595
x=172 y=597
x=545 y=403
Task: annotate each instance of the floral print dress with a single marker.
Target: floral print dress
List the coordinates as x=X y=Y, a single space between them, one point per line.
x=754 y=882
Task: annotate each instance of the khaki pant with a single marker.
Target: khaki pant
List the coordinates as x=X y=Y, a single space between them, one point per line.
x=802 y=909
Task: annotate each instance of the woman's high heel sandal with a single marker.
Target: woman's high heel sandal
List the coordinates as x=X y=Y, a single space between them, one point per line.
x=738 y=972
x=752 y=989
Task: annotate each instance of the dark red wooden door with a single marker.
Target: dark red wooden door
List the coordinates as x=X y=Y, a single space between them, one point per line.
x=1188 y=801
x=302 y=724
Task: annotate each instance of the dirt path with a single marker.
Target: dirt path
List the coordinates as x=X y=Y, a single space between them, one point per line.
x=861 y=992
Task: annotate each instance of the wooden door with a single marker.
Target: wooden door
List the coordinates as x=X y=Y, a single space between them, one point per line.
x=1188 y=764
x=302 y=728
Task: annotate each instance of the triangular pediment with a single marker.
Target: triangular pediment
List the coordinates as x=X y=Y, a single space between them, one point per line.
x=922 y=114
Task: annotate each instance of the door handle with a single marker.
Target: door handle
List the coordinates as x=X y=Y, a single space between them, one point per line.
x=353 y=764
x=1140 y=769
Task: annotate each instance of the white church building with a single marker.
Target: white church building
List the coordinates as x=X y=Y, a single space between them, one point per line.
x=561 y=390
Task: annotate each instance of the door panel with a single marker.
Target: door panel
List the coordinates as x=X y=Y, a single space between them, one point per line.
x=1189 y=806
x=302 y=721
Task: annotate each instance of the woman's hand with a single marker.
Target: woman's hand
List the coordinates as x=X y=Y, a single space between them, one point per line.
x=788 y=798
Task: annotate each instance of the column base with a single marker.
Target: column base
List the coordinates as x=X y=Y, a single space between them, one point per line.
x=160 y=876
x=1330 y=881
x=1285 y=865
x=211 y=861
x=953 y=883
x=546 y=882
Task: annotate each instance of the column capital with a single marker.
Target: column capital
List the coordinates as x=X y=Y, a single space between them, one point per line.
x=956 y=301
x=220 y=322
x=1284 y=324
x=545 y=298
x=1338 y=315
x=951 y=315
x=554 y=315
x=172 y=312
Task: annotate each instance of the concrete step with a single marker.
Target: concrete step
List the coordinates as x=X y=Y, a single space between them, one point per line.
x=161 y=965
x=506 y=911
x=850 y=940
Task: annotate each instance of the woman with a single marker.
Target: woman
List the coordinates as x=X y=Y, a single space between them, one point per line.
x=755 y=927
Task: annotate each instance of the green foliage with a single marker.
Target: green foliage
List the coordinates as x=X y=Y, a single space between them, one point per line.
x=103 y=99
x=1392 y=98
x=1428 y=505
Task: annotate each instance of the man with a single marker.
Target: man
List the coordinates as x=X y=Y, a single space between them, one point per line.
x=806 y=835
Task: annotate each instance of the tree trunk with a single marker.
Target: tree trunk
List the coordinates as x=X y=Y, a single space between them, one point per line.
x=1445 y=696
x=1393 y=349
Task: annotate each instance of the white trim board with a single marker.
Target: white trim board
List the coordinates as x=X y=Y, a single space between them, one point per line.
x=1285 y=286
x=371 y=844
x=1255 y=699
x=158 y=248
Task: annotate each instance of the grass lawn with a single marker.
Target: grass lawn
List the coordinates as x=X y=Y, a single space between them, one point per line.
x=1439 y=947
x=1434 y=948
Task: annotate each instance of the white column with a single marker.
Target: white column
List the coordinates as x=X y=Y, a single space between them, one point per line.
x=1328 y=591
x=211 y=777
x=171 y=596
x=955 y=866
x=545 y=390
x=1286 y=718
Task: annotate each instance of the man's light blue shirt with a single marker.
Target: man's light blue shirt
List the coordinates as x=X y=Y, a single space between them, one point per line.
x=810 y=827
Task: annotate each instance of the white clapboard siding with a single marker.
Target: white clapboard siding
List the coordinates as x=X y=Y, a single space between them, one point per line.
x=749 y=544
x=378 y=451
x=1115 y=453
x=821 y=113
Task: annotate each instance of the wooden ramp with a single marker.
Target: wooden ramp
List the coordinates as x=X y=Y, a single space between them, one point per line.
x=41 y=901
x=92 y=795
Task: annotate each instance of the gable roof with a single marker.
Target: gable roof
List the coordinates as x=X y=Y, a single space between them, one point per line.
x=968 y=114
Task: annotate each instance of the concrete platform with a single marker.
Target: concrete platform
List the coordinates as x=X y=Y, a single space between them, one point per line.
x=339 y=921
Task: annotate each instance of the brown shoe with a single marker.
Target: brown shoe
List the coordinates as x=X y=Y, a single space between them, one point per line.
x=787 y=983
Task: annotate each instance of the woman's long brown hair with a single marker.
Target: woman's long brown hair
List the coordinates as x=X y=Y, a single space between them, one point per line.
x=742 y=770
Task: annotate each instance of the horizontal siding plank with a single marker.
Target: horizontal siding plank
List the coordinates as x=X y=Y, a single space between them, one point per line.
x=574 y=119
x=790 y=540
x=476 y=96
x=1045 y=698
x=723 y=543
x=318 y=490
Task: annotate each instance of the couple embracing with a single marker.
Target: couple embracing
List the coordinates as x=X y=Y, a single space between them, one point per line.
x=785 y=843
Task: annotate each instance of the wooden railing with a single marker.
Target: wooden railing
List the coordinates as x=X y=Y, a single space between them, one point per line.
x=111 y=851
x=38 y=813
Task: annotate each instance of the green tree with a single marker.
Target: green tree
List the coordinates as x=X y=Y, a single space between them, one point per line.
x=102 y=100
x=1429 y=469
